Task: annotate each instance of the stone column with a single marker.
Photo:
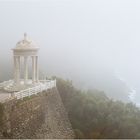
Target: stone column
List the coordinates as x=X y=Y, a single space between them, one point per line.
x=18 y=69
x=25 y=70
x=36 y=68
x=15 y=70
x=33 y=69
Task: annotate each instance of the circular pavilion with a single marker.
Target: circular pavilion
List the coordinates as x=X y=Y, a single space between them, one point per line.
x=23 y=84
x=25 y=49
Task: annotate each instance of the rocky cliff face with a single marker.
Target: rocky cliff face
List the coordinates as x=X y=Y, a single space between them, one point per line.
x=39 y=116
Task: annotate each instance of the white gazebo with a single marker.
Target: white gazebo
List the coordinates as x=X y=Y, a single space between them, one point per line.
x=22 y=85
x=25 y=49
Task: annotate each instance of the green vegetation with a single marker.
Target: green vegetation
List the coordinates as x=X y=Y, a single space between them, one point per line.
x=1 y=114
x=94 y=115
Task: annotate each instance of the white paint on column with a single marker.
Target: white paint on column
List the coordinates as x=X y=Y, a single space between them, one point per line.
x=33 y=69
x=18 y=69
x=25 y=70
x=36 y=68
x=15 y=70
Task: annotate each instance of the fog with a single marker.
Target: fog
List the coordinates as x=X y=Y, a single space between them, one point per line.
x=94 y=43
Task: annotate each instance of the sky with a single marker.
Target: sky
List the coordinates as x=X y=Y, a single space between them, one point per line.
x=88 y=41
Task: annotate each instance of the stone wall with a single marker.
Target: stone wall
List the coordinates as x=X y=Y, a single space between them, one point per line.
x=39 y=116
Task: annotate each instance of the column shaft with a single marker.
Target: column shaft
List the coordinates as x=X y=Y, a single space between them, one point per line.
x=18 y=69
x=15 y=70
x=33 y=69
x=36 y=68
x=25 y=70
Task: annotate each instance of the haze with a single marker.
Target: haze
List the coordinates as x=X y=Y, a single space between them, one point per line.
x=95 y=43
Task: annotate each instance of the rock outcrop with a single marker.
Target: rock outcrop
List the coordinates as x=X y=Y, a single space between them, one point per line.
x=39 y=116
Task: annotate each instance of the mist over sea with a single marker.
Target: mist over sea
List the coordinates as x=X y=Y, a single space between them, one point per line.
x=84 y=41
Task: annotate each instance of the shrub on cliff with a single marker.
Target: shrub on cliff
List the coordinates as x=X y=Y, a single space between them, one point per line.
x=94 y=115
x=1 y=114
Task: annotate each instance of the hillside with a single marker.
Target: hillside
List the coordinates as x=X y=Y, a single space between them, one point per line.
x=36 y=117
x=94 y=115
x=91 y=114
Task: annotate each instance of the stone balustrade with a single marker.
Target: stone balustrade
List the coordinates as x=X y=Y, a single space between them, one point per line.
x=42 y=85
x=34 y=90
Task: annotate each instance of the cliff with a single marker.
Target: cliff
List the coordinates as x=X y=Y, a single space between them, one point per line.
x=39 y=116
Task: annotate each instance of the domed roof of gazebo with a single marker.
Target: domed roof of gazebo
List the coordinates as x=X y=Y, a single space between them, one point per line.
x=25 y=44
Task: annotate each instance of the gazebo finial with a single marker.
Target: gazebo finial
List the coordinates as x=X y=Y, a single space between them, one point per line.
x=25 y=36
